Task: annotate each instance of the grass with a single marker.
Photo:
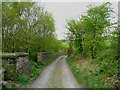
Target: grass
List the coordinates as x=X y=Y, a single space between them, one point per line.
x=86 y=73
x=56 y=79
x=23 y=79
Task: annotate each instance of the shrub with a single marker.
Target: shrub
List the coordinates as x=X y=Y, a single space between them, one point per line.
x=23 y=79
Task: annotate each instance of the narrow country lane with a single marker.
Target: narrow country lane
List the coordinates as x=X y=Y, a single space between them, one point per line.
x=56 y=75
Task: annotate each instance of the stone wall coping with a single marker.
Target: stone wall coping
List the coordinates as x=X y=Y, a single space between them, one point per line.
x=46 y=52
x=14 y=55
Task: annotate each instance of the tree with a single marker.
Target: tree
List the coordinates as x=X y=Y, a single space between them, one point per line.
x=12 y=23
x=88 y=32
x=27 y=27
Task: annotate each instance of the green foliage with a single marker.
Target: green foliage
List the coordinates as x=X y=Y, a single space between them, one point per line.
x=11 y=86
x=93 y=36
x=10 y=71
x=88 y=33
x=27 y=27
x=23 y=79
x=38 y=67
x=89 y=81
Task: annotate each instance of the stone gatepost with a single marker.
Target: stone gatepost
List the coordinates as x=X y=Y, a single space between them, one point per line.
x=14 y=65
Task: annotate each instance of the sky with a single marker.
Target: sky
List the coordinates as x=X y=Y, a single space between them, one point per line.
x=63 y=11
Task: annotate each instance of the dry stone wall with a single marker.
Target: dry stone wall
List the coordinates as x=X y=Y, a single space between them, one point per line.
x=14 y=65
x=48 y=55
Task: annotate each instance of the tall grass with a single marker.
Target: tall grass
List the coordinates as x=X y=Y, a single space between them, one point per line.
x=89 y=79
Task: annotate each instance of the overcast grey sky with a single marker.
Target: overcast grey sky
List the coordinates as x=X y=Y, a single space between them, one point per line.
x=67 y=10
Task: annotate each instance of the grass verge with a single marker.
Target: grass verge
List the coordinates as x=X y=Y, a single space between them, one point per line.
x=85 y=72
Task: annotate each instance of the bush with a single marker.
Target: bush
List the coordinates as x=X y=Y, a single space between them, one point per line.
x=23 y=79
x=38 y=67
x=33 y=56
x=10 y=86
